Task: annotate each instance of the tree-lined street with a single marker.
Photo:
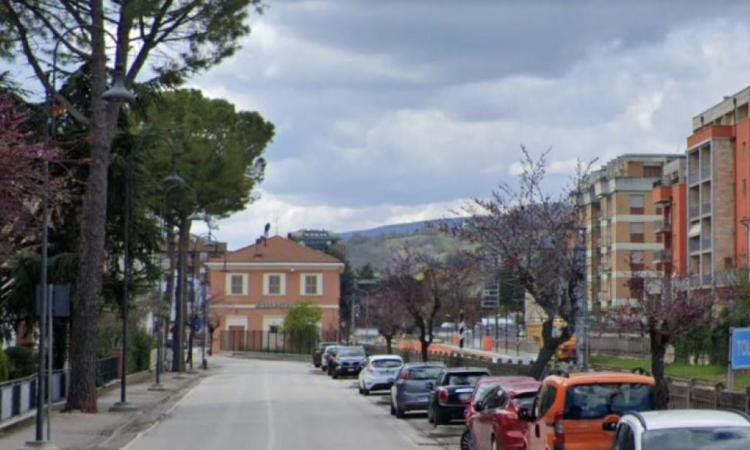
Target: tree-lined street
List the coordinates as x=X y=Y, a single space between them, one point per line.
x=278 y=405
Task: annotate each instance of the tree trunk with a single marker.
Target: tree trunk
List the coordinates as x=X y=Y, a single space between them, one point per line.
x=84 y=337
x=178 y=339
x=388 y=344
x=549 y=346
x=658 y=350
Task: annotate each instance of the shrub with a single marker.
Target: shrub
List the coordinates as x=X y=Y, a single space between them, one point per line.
x=139 y=357
x=21 y=362
x=4 y=369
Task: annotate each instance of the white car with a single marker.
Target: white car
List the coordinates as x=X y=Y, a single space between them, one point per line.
x=683 y=429
x=379 y=373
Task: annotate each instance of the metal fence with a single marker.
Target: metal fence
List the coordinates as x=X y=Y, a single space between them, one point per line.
x=267 y=341
x=107 y=369
x=18 y=397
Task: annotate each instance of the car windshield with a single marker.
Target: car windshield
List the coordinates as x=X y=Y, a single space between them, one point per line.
x=597 y=401
x=424 y=373
x=721 y=438
x=348 y=352
x=483 y=389
x=525 y=401
x=465 y=379
x=331 y=350
x=386 y=363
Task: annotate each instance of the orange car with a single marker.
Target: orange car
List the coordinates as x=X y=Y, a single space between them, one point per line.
x=581 y=411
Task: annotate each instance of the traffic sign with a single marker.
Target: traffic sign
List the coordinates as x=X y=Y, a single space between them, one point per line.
x=740 y=358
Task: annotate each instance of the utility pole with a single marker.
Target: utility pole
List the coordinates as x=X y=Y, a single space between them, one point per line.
x=582 y=318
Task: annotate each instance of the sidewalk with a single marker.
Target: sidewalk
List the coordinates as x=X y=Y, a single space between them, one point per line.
x=108 y=430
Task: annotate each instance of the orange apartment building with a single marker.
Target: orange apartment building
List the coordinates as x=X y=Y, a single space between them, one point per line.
x=621 y=224
x=253 y=288
x=709 y=236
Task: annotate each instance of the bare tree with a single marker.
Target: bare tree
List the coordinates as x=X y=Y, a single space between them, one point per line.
x=666 y=309
x=186 y=35
x=389 y=315
x=423 y=285
x=536 y=235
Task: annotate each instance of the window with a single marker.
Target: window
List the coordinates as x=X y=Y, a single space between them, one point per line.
x=625 y=439
x=312 y=284
x=636 y=260
x=237 y=285
x=637 y=202
x=636 y=232
x=274 y=284
x=652 y=171
x=596 y=401
x=718 y=438
x=545 y=401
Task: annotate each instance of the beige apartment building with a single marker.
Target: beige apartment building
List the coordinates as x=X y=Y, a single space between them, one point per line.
x=621 y=223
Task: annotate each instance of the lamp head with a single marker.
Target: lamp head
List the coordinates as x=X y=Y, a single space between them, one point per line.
x=119 y=93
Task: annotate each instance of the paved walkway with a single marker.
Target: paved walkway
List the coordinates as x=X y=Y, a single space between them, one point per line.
x=106 y=430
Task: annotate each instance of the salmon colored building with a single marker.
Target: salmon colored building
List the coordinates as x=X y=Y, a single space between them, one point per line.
x=705 y=204
x=253 y=288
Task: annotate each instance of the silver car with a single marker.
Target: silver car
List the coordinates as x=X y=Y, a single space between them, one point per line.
x=412 y=386
x=379 y=373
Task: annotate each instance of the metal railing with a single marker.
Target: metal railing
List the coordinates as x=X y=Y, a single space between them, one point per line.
x=269 y=341
x=18 y=397
x=706 y=243
x=694 y=245
x=706 y=208
x=693 y=176
x=705 y=173
x=694 y=211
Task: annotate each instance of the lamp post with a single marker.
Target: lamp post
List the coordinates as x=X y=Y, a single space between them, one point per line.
x=118 y=93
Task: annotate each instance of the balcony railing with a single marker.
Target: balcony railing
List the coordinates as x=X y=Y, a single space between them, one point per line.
x=693 y=176
x=694 y=245
x=694 y=280
x=663 y=256
x=661 y=226
x=694 y=211
x=707 y=279
x=706 y=208
x=705 y=173
x=706 y=243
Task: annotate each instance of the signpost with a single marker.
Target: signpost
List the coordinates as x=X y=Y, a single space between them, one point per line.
x=739 y=353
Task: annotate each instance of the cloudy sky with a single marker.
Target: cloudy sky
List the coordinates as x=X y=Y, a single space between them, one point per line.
x=399 y=110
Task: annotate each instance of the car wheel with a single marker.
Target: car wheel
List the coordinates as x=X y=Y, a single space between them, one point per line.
x=393 y=410
x=466 y=440
x=429 y=415
x=400 y=413
x=361 y=392
x=438 y=418
x=365 y=391
x=334 y=375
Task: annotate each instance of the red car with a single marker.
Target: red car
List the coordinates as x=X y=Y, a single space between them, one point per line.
x=492 y=420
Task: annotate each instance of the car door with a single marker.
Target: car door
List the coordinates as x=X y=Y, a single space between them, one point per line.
x=491 y=402
x=539 y=429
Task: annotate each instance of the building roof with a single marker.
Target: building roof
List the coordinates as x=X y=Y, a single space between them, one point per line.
x=278 y=250
x=692 y=418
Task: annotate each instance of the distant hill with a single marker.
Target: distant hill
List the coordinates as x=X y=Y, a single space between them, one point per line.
x=379 y=245
x=395 y=230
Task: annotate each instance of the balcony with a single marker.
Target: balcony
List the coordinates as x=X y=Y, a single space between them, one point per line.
x=661 y=194
x=706 y=208
x=663 y=256
x=707 y=279
x=694 y=211
x=693 y=176
x=660 y=226
x=706 y=243
x=694 y=245
x=694 y=280
x=705 y=173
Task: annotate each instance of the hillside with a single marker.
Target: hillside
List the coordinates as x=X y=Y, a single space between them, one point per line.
x=379 y=251
x=394 y=230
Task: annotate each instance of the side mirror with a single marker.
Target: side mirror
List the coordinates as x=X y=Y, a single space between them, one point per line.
x=479 y=406
x=610 y=422
x=525 y=415
x=430 y=385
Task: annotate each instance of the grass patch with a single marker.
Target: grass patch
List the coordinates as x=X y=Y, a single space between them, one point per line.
x=702 y=374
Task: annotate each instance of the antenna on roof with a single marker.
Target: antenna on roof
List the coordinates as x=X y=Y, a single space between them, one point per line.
x=266 y=230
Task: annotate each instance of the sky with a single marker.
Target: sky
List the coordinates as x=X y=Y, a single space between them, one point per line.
x=390 y=111
x=395 y=111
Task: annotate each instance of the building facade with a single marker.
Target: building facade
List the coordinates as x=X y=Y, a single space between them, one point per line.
x=621 y=222
x=253 y=288
x=669 y=195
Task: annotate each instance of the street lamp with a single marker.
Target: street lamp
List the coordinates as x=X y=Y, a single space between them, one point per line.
x=45 y=308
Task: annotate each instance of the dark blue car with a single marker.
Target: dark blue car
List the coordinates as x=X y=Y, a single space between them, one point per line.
x=412 y=386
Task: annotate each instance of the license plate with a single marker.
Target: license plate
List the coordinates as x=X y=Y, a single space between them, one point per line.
x=351 y=369
x=464 y=396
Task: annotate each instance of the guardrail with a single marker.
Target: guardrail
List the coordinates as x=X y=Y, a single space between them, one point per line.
x=18 y=397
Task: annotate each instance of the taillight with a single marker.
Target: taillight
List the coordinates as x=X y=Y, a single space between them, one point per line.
x=559 y=432
x=443 y=395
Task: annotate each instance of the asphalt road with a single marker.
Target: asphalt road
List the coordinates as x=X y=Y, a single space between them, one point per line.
x=279 y=405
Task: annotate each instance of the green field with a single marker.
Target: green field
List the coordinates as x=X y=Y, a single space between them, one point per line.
x=702 y=374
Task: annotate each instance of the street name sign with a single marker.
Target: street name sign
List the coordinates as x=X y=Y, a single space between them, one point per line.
x=740 y=358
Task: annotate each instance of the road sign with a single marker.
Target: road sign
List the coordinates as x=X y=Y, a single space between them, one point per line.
x=740 y=358
x=490 y=295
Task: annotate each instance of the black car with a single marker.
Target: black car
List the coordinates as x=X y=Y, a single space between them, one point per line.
x=347 y=361
x=452 y=392
x=317 y=355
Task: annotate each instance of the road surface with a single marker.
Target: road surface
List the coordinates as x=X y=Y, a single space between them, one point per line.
x=279 y=405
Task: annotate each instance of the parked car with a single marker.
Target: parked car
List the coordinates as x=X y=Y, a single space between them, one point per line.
x=452 y=392
x=483 y=386
x=328 y=353
x=379 y=373
x=317 y=355
x=683 y=430
x=412 y=386
x=348 y=360
x=580 y=412
x=492 y=419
